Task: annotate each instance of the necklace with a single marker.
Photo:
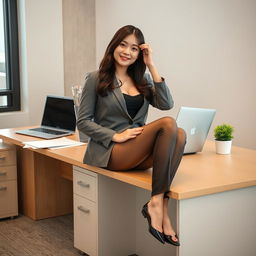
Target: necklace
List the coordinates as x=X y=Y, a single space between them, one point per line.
x=120 y=82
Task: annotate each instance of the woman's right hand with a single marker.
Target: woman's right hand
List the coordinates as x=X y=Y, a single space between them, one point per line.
x=127 y=134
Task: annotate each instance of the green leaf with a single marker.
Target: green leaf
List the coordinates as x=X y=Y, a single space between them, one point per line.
x=223 y=132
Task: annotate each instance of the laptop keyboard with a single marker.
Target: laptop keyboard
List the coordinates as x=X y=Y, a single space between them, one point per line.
x=49 y=131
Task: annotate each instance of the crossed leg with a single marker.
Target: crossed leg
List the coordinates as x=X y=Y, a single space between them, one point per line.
x=176 y=159
x=160 y=145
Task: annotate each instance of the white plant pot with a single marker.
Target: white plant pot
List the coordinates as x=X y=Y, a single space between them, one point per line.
x=223 y=147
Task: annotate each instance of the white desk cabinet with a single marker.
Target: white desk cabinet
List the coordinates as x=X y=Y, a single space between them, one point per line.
x=8 y=181
x=108 y=219
x=103 y=225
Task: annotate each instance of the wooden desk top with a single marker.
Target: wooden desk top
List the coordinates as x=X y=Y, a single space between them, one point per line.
x=199 y=174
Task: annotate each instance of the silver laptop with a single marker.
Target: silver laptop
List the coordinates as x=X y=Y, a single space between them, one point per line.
x=196 y=122
x=58 y=119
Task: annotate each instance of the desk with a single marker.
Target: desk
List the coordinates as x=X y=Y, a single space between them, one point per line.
x=213 y=196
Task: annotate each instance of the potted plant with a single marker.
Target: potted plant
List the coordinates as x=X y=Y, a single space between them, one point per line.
x=223 y=138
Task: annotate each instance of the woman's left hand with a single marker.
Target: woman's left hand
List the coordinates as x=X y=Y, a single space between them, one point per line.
x=147 y=54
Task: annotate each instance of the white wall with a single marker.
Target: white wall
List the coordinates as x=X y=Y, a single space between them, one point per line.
x=41 y=59
x=206 y=50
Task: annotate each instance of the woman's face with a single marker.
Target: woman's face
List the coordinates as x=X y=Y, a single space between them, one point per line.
x=127 y=52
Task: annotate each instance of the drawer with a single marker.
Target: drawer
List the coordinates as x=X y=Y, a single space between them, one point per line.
x=7 y=157
x=85 y=225
x=85 y=171
x=85 y=185
x=8 y=173
x=8 y=198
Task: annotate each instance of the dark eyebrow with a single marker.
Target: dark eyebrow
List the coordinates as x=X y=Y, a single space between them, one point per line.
x=132 y=44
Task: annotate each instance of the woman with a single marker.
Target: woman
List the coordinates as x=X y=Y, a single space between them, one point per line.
x=113 y=111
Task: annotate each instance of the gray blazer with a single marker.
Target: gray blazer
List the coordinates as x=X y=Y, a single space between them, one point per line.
x=101 y=117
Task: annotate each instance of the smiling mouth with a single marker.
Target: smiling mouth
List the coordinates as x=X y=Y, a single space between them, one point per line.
x=124 y=58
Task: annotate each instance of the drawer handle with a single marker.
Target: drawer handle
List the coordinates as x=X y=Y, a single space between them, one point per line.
x=82 y=184
x=82 y=209
x=3 y=188
x=3 y=173
x=2 y=157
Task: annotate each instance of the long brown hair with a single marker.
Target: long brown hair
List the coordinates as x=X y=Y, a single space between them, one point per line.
x=135 y=71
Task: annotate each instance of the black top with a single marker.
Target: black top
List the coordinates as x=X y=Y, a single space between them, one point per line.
x=133 y=103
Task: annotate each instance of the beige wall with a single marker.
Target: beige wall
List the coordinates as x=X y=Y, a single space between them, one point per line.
x=78 y=41
x=206 y=50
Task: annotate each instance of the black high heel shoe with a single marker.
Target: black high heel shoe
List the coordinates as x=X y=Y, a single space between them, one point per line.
x=157 y=234
x=168 y=238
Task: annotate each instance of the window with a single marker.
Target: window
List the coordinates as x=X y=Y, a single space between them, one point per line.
x=9 y=57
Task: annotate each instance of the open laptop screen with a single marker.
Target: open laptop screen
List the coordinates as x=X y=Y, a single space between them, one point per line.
x=59 y=113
